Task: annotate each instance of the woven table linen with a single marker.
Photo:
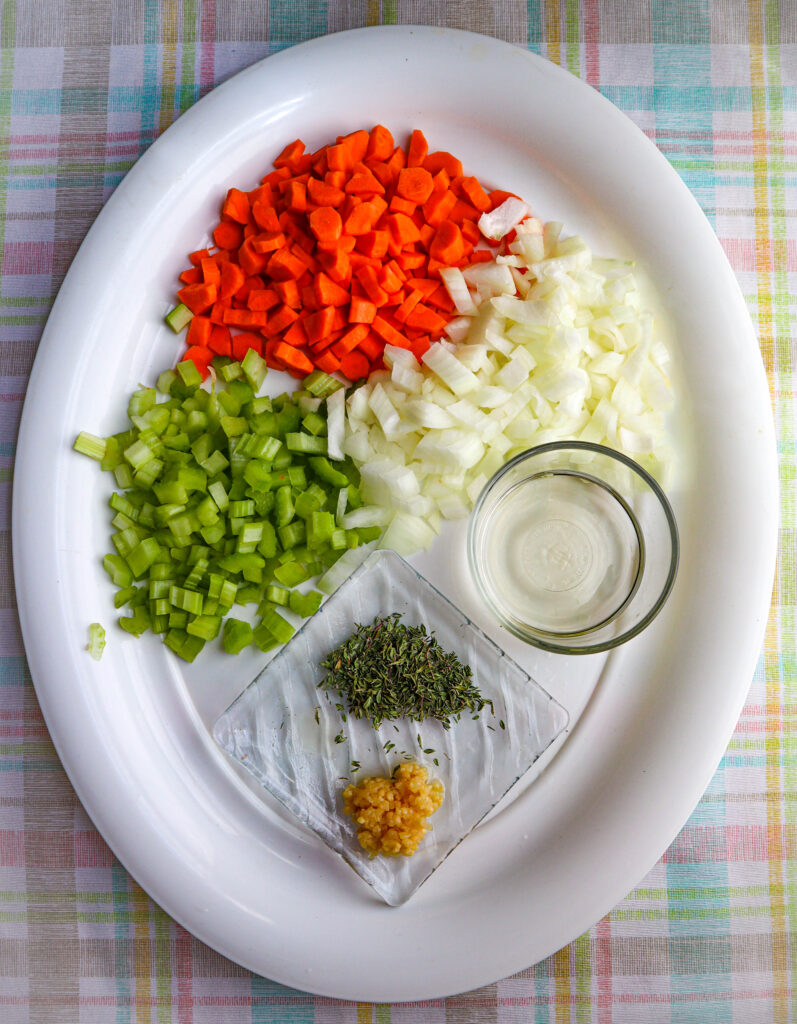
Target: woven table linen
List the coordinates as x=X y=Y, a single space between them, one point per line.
x=709 y=935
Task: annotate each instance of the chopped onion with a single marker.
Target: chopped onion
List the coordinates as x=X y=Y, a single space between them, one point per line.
x=336 y=414
x=503 y=218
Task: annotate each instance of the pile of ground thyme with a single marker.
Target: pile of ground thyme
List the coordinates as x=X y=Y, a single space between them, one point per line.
x=388 y=670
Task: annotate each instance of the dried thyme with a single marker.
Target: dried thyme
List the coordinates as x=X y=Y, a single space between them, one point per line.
x=387 y=670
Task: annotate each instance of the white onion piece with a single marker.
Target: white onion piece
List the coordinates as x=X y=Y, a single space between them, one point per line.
x=457 y=288
x=503 y=218
x=336 y=414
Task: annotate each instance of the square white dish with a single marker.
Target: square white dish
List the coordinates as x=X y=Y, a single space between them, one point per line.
x=302 y=747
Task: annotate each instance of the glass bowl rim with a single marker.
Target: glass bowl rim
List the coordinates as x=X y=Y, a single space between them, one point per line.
x=540 y=638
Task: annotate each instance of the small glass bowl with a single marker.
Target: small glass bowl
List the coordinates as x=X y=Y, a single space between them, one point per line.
x=574 y=547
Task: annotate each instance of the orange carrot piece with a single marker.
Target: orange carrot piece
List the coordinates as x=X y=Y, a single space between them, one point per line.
x=356 y=143
x=337 y=265
x=328 y=293
x=352 y=338
x=411 y=260
x=389 y=279
x=380 y=144
x=268 y=241
x=408 y=305
x=417 y=150
x=354 y=365
x=326 y=224
x=288 y=293
x=373 y=243
x=470 y=231
x=339 y=157
x=448 y=245
x=360 y=220
x=265 y=217
x=423 y=318
x=420 y=346
x=296 y=196
x=284 y=265
x=220 y=340
x=293 y=358
x=363 y=182
x=361 y=311
x=475 y=194
x=241 y=343
x=402 y=229
x=262 y=299
x=211 y=274
x=228 y=235
x=372 y=346
x=414 y=184
x=438 y=207
x=442 y=161
x=498 y=196
x=388 y=333
x=198 y=297
x=196 y=257
x=232 y=279
x=296 y=334
x=368 y=278
x=245 y=318
x=236 y=206
x=463 y=212
x=324 y=195
x=319 y=324
x=199 y=331
x=327 y=362
x=290 y=156
x=282 y=317
x=192 y=276
x=399 y=205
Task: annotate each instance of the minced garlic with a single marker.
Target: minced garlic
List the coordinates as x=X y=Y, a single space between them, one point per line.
x=392 y=813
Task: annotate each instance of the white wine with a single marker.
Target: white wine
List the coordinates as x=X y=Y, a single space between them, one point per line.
x=563 y=552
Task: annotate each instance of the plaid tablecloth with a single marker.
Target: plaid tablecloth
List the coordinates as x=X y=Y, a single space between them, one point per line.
x=85 y=87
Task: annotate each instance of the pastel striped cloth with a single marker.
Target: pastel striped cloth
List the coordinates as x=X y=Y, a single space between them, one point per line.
x=85 y=87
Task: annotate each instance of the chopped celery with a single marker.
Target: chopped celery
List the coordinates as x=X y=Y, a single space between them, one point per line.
x=320 y=384
x=91 y=445
x=237 y=635
x=96 y=644
x=305 y=604
x=306 y=443
x=179 y=317
x=255 y=369
x=189 y=374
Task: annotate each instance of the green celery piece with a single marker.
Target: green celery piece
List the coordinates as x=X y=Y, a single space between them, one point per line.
x=305 y=604
x=296 y=476
x=338 y=540
x=118 y=569
x=196 y=422
x=207 y=512
x=179 y=317
x=158 y=589
x=165 y=381
x=307 y=444
x=142 y=556
x=228 y=595
x=214 y=533
x=189 y=374
x=137 y=623
x=192 y=478
x=204 y=626
x=178 y=620
x=249 y=537
x=236 y=635
x=159 y=607
x=215 y=463
x=255 y=369
x=241 y=391
x=264 y=502
x=219 y=495
x=258 y=474
x=315 y=424
x=161 y=571
x=320 y=528
x=369 y=533
x=242 y=508
x=267 y=545
x=112 y=457
x=229 y=403
x=290 y=574
x=278 y=595
x=320 y=384
x=197 y=574
x=284 y=508
x=233 y=426
x=121 y=597
x=259 y=405
x=313 y=498
x=96 y=644
x=170 y=492
x=325 y=471
x=186 y=600
x=279 y=627
x=231 y=371
x=264 y=638
x=141 y=401
x=282 y=459
x=123 y=475
x=292 y=534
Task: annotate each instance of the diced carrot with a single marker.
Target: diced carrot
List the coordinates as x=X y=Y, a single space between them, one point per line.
x=319 y=324
x=296 y=334
x=356 y=143
x=293 y=357
x=281 y=318
x=425 y=319
x=368 y=278
x=402 y=229
x=196 y=257
x=463 y=212
x=337 y=179
x=262 y=299
x=361 y=311
x=388 y=333
x=371 y=346
x=284 y=265
x=373 y=243
x=232 y=278
x=236 y=206
x=417 y=150
x=216 y=313
x=498 y=196
x=360 y=220
x=228 y=235
x=276 y=176
x=324 y=195
x=328 y=293
x=288 y=293
x=420 y=346
x=291 y=155
x=354 y=365
x=352 y=338
x=245 y=318
x=191 y=276
x=327 y=362
x=359 y=259
x=265 y=217
x=363 y=182
x=475 y=194
x=408 y=305
x=337 y=266
x=326 y=223
x=411 y=260
x=241 y=343
x=198 y=297
x=389 y=278
x=441 y=182
x=448 y=245
x=268 y=241
x=380 y=144
x=399 y=205
x=438 y=207
x=296 y=196
x=199 y=331
x=470 y=231
x=220 y=340
x=251 y=262
x=414 y=184
x=211 y=274
x=263 y=194
x=443 y=161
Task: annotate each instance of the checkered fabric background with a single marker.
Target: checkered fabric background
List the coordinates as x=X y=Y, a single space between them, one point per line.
x=85 y=87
